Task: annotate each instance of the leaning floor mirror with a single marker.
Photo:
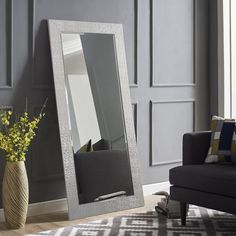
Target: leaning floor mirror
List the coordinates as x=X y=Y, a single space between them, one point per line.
x=95 y=117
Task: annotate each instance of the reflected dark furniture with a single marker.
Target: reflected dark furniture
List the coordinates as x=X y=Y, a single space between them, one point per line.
x=102 y=144
x=102 y=172
x=208 y=185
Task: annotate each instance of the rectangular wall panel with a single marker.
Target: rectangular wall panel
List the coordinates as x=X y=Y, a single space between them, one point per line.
x=41 y=10
x=6 y=20
x=173 y=42
x=169 y=121
x=45 y=163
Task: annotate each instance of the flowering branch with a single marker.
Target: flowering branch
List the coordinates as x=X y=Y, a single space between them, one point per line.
x=16 y=137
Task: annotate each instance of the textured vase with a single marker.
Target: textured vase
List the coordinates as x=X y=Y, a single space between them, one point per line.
x=15 y=194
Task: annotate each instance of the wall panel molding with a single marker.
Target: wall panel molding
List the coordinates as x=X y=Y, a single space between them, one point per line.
x=153 y=64
x=135 y=112
x=152 y=144
x=136 y=27
x=2 y=160
x=9 y=45
x=7 y=108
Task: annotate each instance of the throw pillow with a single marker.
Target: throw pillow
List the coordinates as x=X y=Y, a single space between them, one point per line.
x=223 y=140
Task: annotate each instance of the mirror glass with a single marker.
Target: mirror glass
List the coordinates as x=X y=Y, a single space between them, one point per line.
x=98 y=136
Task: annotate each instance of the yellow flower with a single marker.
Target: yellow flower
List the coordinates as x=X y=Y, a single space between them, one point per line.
x=15 y=140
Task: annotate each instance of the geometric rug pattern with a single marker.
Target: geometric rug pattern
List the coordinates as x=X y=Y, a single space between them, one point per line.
x=200 y=222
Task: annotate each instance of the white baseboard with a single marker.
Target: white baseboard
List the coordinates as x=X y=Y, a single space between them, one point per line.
x=40 y=208
x=150 y=189
x=61 y=204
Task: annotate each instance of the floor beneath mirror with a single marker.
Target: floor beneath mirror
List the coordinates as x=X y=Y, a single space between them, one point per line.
x=59 y=219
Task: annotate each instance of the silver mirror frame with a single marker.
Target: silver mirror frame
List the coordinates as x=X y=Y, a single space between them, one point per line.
x=56 y=28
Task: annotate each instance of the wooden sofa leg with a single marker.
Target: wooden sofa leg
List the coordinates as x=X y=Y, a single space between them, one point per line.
x=183 y=212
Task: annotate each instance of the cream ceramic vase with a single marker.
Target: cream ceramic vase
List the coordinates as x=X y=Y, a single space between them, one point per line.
x=15 y=194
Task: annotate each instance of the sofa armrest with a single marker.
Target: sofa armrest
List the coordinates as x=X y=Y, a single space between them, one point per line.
x=195 y=147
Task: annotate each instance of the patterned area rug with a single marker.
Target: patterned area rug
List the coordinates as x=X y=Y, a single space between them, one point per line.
x=200 y=221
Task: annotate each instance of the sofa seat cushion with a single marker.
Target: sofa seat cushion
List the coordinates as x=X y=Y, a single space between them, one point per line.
x=211 y=178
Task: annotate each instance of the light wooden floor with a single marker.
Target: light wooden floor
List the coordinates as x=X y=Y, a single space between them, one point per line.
x=59 y=219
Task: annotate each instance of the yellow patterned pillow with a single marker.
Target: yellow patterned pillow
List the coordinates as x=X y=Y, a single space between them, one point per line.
x=223 y=140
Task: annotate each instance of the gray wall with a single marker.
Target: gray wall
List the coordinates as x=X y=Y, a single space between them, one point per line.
x=167 y=89
x=172 y=90
x=213 y=56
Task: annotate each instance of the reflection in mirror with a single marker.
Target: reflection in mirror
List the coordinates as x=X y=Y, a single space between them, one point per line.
x=96 y=117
